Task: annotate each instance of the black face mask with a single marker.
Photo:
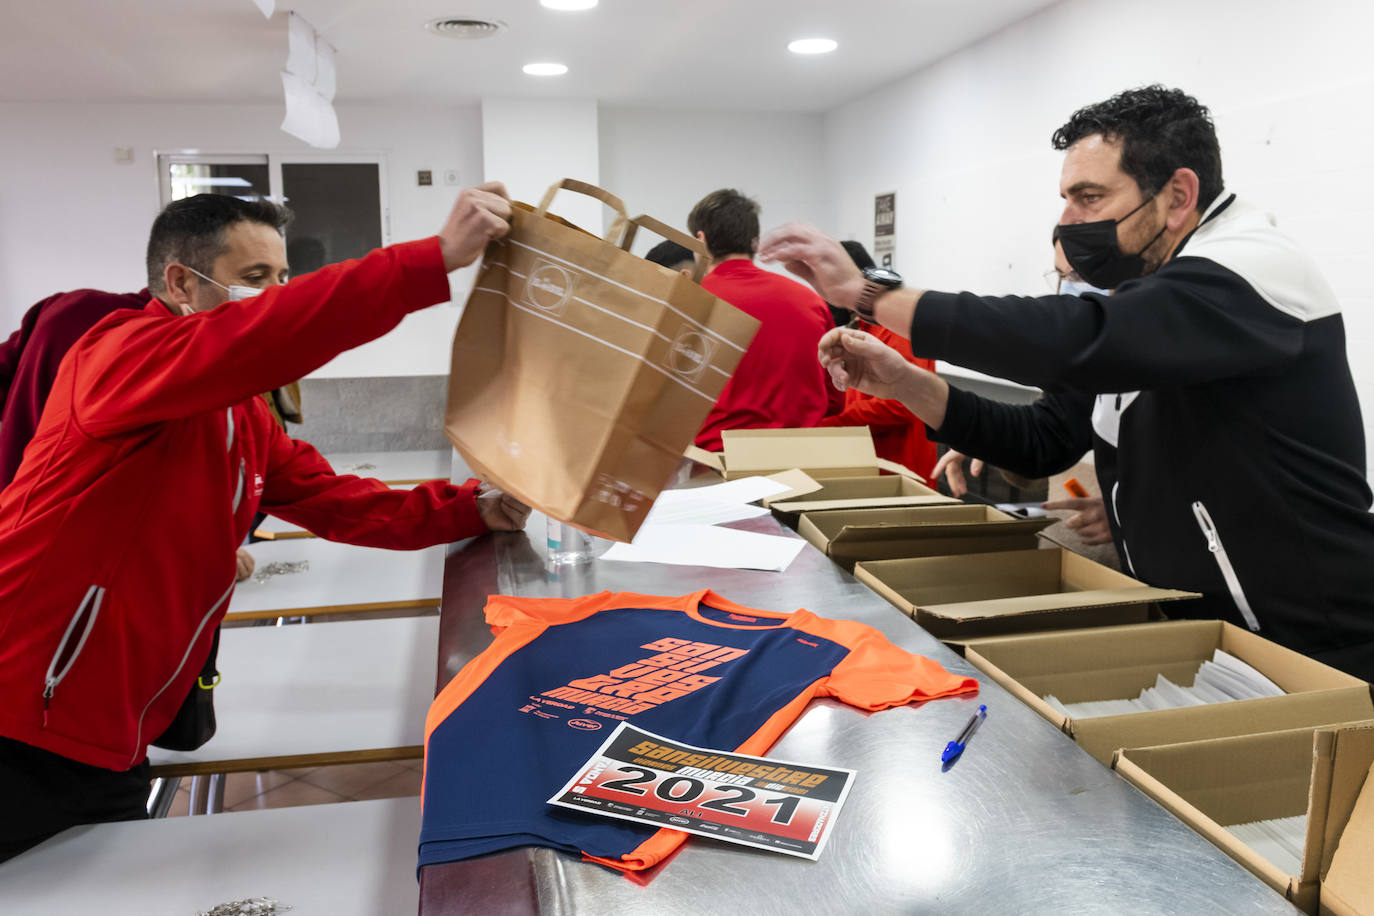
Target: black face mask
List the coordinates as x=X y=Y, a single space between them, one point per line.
x=1092 y=250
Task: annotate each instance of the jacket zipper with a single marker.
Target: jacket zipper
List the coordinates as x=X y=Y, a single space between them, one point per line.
x=1121 y=528
x=230 y=443
x=88 y=610
x=139 y=745
x=238 y=491
x=1228 y=572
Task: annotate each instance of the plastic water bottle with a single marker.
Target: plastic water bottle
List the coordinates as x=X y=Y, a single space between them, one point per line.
x=567 y=545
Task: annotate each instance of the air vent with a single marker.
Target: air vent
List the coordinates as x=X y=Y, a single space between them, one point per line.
x=469 y=29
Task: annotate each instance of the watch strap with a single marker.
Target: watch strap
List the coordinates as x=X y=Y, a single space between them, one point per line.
x=863 y=306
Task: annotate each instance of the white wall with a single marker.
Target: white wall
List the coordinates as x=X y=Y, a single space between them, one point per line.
x=528 y=144
x=71 y=217
x=965 y=143
x=661 y=162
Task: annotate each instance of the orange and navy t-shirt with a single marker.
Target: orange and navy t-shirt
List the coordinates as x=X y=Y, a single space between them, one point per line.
x=510 y=729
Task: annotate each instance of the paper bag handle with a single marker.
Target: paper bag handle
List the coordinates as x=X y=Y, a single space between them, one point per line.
x=581 y=187
x=666 y=231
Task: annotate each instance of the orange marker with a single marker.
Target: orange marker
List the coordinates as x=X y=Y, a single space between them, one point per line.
x=1075 y=488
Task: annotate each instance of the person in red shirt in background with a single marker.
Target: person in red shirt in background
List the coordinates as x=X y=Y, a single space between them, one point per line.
x=29 y=360
x=778 y=382
x=897 y=434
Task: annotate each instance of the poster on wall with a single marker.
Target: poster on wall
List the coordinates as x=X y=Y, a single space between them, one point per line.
x=754 y=801
x=884 y=228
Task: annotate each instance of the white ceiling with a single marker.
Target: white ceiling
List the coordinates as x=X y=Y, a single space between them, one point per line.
x=684 y=54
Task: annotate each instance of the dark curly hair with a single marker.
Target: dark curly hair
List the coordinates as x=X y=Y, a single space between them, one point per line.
x=1160 y=130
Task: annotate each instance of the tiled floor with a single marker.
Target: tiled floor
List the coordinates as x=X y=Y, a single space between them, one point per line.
x=312 y=786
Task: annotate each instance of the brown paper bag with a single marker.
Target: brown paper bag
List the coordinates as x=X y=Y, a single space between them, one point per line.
x=580 y=371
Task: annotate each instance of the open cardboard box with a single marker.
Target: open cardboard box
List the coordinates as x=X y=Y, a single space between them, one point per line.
x=838 y=451
x=1213 y=784
x=845 y=471
x=1343 y=793
x=848 y=536
x=1115 y=662
x=980 y=594
x=836 y=493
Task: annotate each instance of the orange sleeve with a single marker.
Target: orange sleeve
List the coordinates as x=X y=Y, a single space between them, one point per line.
x=504 y=611
x=876 y=674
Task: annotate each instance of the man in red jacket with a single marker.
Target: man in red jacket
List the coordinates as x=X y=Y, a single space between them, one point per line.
x=778 y=383
x=118 y=533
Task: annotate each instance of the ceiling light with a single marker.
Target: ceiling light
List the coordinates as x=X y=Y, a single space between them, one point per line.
x=812 y=46
x=545 y=69
x=568 y=4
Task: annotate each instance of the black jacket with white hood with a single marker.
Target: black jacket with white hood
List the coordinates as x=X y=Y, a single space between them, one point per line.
x=1218 y=398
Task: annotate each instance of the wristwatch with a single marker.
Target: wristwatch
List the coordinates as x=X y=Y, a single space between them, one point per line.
x=877 y=280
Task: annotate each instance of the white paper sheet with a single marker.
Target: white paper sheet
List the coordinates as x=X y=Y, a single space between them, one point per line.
x=744 y=490
x=309 y=116
x=300 y=53
x=704 y=545
x=681 y=507
x=324 y=69
x=268 y=7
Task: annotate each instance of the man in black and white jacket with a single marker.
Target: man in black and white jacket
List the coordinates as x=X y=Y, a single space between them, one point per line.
x=1213 y=384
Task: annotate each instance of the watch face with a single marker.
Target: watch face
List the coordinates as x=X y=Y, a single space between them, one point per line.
x=883 y=276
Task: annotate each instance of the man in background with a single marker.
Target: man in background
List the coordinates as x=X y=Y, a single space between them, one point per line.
x=778 y=382
x=673 y=256
x=29 y=360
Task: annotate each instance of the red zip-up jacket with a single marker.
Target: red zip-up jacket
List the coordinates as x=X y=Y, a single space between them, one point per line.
x=118 y=534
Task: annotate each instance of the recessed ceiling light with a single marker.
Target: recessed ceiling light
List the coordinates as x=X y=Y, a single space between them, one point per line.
x=545 y=69
x=812 y=46
x=568 y=4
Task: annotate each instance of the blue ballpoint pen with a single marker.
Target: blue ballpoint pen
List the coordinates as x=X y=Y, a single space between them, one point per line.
x=956 y=747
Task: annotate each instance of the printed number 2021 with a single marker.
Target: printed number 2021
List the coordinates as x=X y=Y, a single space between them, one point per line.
x=685 y=789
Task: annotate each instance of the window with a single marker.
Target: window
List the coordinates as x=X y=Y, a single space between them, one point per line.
x=339 y=201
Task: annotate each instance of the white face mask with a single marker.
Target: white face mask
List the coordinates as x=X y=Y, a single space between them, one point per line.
x=236 y=293
x=1078 y=288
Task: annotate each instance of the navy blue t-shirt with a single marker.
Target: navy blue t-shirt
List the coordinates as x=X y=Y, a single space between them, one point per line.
x=519 y=720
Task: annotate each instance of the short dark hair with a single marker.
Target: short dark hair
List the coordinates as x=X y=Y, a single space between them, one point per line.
x=670 y=254
x=858 y=254
x=190 y=231
x=729 y=220
x=1160 y=130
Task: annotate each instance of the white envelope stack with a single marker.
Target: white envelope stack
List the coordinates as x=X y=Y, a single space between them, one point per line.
x=1221 y=680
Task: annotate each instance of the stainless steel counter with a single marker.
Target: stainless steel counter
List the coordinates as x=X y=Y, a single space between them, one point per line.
x=1024 y=822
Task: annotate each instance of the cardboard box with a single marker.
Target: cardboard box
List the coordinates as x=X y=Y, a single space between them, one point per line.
x=1115 y=662
x=981 y=594
x=1211 y=785
x=1343 y=796
x=840 y=451
x=837 y=493
x=848 y=536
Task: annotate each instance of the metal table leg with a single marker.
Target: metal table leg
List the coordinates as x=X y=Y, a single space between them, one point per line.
x=163 y=794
